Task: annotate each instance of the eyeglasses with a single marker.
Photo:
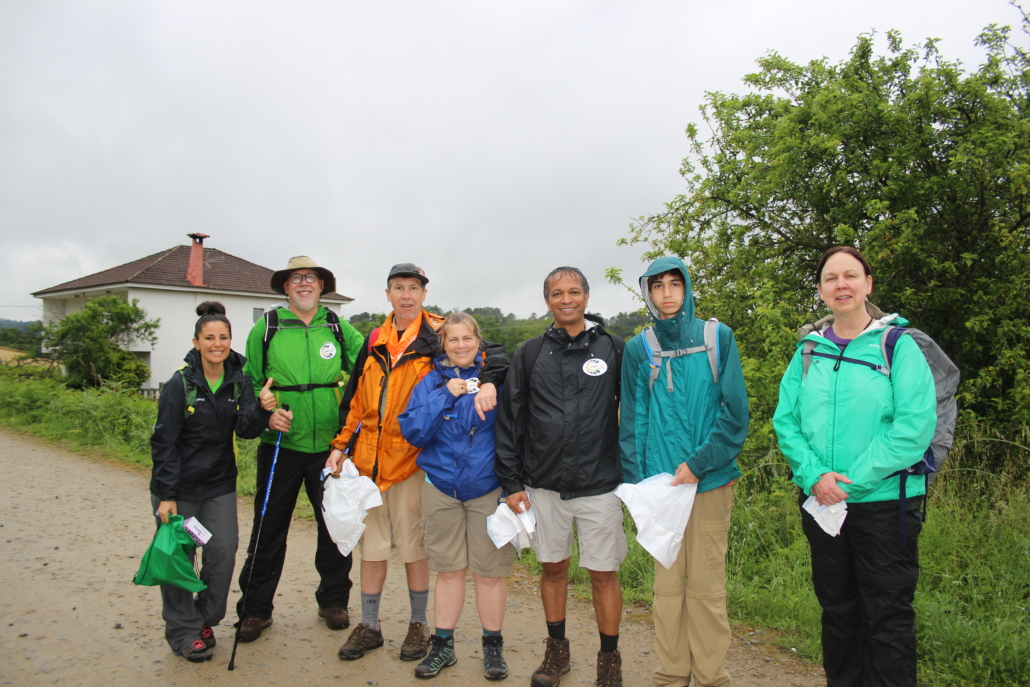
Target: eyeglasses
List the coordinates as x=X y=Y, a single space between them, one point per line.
x=310 y=278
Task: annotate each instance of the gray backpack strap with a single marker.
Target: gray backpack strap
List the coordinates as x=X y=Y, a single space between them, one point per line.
x=658 y=355
x=654 y=350
x=712 y=344
x=806 y=357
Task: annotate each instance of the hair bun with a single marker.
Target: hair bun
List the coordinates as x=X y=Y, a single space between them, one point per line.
x=210 y=308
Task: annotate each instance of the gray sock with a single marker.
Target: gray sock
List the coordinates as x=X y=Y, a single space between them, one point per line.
x=370 y=609
x=419 y=601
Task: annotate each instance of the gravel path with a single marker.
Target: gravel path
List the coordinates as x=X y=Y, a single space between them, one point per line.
x=72 y=529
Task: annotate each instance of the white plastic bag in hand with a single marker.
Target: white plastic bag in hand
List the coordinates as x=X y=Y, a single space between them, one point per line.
x=345 y=502
x=504 y=526
x=661 y=512
x=830 y=518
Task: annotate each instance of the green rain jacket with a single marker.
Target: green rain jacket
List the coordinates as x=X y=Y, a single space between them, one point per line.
x=700 y=422
x=855 y=420
x=300 y=354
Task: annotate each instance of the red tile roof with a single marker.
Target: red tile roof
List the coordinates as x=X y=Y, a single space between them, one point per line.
x=222 y=271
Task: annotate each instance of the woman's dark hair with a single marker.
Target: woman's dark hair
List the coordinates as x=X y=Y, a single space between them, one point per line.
x=853 y=252
x=211 y=311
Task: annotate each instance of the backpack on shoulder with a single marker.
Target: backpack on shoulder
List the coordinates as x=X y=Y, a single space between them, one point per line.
x=656 y=355
x=332 y=321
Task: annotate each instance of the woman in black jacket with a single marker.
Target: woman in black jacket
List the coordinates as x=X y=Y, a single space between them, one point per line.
x=202 y=407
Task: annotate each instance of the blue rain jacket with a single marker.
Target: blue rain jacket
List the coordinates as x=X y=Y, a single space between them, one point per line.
x=457 y=447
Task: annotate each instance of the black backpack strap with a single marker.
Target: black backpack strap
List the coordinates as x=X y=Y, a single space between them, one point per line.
x=190 y=390
x=619 y=344
x=531 y=353
x=271 y=327
x=333 y=321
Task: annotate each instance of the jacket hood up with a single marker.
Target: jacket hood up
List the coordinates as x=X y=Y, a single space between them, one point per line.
x=664 y=265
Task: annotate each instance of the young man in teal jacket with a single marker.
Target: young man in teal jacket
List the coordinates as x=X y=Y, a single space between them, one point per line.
x=681 y=416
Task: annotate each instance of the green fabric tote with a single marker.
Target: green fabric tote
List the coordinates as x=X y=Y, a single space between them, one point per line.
x=167 y=558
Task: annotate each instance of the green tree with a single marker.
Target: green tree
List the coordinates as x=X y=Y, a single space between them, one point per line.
x=89 y=343
x=365 y=322
x=27 y=339
x=923 y=166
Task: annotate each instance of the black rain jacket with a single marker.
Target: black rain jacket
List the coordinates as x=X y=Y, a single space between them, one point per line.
x=193 y=456
x=558 y=426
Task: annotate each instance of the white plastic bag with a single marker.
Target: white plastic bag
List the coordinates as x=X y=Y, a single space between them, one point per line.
x=830 y=518
x=345 y=502
x=661 y=512
x=504 y=526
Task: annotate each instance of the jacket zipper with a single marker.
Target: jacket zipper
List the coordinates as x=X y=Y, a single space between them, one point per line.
x=384 y=385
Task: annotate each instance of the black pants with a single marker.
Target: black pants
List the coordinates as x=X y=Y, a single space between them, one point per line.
x=291 y=470
x=865 y=580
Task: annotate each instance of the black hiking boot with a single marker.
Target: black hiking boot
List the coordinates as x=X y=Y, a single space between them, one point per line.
x=441 y=655
x=494 y=665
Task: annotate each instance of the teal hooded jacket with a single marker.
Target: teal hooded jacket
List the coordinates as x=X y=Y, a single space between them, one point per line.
x=700 y=422
x=851 y=419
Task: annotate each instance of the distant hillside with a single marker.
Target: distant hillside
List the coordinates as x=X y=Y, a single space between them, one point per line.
x=15 y=324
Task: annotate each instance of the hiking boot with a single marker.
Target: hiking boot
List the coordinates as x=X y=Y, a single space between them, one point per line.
x=207 y=635
x=556 y=663
x=252 y=627
x=362 y=639
x=440 y=656
x=336 y=617
x=416 y=643
x=609 y=669
x=197 y=652
x=494 y=665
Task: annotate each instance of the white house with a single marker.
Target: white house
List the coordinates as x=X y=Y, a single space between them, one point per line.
x=170 y=285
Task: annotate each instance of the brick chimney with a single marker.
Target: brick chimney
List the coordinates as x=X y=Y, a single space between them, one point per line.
x=195 y=271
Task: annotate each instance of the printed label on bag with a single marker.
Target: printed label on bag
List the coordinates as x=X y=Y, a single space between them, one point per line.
x=595 y=367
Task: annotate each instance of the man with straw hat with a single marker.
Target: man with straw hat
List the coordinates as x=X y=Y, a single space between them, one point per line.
x=297 y=356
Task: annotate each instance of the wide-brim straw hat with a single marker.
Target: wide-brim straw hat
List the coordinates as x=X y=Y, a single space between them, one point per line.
x=302 y=262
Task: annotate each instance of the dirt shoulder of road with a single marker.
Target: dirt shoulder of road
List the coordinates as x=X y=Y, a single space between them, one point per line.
x=73 y=527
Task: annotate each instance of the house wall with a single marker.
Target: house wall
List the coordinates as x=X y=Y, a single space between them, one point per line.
x=178 y=313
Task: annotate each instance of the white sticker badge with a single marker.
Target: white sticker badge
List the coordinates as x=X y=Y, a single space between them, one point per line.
x=327 y=351
x=595 y=367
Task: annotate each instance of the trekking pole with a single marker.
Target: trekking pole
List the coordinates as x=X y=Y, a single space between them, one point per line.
x=257 y=541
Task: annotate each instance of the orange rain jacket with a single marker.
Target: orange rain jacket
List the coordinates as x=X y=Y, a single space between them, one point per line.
x=378 y=393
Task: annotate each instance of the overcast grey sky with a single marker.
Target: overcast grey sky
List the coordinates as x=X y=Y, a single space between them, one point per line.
x=486 y=140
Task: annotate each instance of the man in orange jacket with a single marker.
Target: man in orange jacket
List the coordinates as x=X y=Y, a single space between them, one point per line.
x=394 y=359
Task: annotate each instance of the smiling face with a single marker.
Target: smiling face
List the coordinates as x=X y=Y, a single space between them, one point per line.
x=844 y=285
x=214 y=342
x=667 y=293
x=567 y=300
x=460 y=344
x=303 y=296
x=406 y=295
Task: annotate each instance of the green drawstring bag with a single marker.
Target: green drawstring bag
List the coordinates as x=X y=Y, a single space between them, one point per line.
x=167 y=559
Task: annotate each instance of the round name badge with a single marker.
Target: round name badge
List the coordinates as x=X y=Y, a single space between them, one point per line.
x=472 y=385
x=327 y=351
x=595 y=367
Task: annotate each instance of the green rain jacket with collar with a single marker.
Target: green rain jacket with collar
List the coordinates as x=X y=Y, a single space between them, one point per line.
x=300 y=354
x=852 y=419
x=700 y=422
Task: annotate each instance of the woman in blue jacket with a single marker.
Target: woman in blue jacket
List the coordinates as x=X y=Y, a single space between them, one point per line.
x=461 y=490
x=194 y=473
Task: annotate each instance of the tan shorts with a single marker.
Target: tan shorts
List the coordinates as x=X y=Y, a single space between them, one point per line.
x=397 y=521
x=598 y=520
x=456 y=534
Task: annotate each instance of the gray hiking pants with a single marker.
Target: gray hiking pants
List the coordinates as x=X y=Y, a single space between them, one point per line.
x=184 y=614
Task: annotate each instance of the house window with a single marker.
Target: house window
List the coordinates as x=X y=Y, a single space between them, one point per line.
x=258 y=312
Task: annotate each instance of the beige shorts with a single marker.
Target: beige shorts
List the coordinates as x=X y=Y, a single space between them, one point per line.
x=598 y=520
x=397 y=521
x=456 y=535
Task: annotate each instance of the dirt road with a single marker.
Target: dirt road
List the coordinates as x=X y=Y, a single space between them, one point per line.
x=72 y=529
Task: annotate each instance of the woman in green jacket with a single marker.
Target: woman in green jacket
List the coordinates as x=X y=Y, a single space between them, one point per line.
x=846 y=428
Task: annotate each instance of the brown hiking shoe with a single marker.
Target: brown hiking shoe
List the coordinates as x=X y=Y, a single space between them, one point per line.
x=416 y=644
x=362 y=639
x=252 y=627
x=556 y=663
x=336 y=617
x=609 y=669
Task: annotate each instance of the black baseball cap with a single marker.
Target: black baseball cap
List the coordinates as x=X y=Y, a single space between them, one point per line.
x=407 y=269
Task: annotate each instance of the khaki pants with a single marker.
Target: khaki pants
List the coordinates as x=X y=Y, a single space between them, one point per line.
x=692 y=632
